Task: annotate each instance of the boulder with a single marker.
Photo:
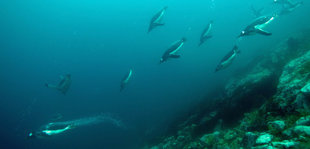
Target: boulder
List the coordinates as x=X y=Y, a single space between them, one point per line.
x=264 y=138
x=249 y=139
x=277 y=125
x=304 y=121
x=302 y=130
x=285 y=144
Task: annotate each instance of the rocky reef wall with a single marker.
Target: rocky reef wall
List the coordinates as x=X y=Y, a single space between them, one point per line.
x=265 y=106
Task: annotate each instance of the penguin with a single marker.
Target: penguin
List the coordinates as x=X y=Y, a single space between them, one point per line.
x=289 y=8
x=126 y=80
x=256 y=12
x=206 y=33
x=64 y=84
x=50 y=130
x=228 y=59
x=172 y=50
x=283 y=2
x=256 y=27
x=157 y=19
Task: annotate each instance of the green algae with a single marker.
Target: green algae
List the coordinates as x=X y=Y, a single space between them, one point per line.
x=305 y=68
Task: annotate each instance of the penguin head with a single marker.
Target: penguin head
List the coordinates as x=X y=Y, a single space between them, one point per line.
x=161 y=60
x=243 y=33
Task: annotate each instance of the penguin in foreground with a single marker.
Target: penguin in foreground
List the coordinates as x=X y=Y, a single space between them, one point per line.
x=157 y=19
x=126 y=80
x=171 y=52
x=206 y=33
x=257 y=26
x=228 y=59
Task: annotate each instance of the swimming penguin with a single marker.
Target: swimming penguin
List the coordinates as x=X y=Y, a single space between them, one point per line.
x=50 y=130
x=171 y=52
x=256 y=12
x=64 y=84
x=284 y=2
x=206 y=33
x=157 y=19
x=289 y=8
x=228 y=59
x=256 y=27
x=126 y=79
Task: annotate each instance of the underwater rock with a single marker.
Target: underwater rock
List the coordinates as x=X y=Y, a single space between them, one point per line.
x=306 y=89
x=249 y=139
x=276 y=125
x=230 y=135
x=294 y=77
x=285 y=144
x=210 y=139
x=288 y=133
x=266 y=146
x=248 y=82
x=304 y=121
x=302 y=130
x=265 y=138
x=277 y=84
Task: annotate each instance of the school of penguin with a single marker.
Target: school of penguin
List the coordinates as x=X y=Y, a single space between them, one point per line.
x=257 y=26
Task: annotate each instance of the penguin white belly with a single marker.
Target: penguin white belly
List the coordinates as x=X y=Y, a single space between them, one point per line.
x=177 y=49
x=158 y=20
x=228 y=61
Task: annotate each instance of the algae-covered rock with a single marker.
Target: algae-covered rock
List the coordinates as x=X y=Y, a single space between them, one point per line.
x=249 y=139
x=248 y=82
x=285 y=144
x=230 y=135
x=304 y=121
x=266 y=146
x=294 y=77
x=210 y=139
x=265 y=138
x=306 y=89
x=276 y=125
x=302 y=130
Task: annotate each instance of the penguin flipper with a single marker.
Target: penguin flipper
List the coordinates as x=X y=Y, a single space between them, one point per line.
x=263 y=32
x=174 y=56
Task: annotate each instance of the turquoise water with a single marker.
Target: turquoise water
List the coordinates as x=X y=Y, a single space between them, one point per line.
x=98 y=42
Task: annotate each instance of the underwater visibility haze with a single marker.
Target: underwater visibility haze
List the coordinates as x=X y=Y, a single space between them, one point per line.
x=128 y=73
